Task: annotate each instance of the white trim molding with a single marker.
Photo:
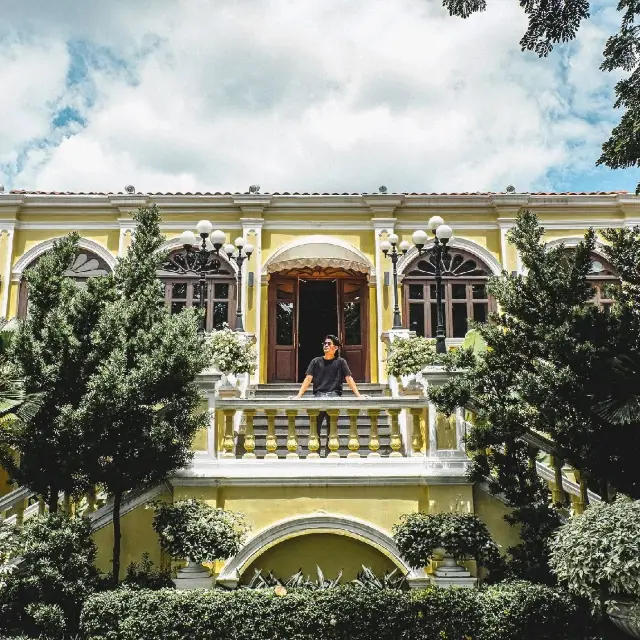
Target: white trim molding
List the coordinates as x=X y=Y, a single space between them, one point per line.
x=318 y=239
x=572 y=241
x=456 y=243
x=9 y=229
x=318 y=522
x=36 y=251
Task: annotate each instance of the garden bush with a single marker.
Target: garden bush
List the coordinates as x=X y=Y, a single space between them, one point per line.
x=57 y=575
x=511 y=611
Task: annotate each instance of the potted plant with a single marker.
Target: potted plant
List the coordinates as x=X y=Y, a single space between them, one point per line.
x=421 y=537
x=597 y=556
x=194 y=531
x=234 y=353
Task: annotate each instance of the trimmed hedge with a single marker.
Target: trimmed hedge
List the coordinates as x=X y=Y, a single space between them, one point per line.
x=510 y=611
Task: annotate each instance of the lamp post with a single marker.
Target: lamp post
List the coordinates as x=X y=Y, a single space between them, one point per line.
x=243 y=252
x=209 y=244
x=442 y=234
x=389 y=249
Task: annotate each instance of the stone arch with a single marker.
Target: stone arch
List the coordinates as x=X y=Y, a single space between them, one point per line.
x=348 y=252
x=471 y=247
x=36 y=251
x=316 y=523
x=175 y=243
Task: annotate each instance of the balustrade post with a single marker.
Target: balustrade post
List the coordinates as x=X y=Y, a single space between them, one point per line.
x=272 y=443
x=374 y=440
x=314 y=441
x=432 y=421
x=42 y=506
x=558 y=495
x=292 y=438
x=334 y=442
x=20 y=509
x=249 y=436
x=396 y=441
x=227 y=441
x=416 y=426
x=354 y=441
x=580 y=504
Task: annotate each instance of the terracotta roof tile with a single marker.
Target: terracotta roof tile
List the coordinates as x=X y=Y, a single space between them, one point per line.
x=315 y=193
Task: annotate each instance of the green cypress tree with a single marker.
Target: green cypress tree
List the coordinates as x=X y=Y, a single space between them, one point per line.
x=51 y=354
x=550 y=368
x=140 y=413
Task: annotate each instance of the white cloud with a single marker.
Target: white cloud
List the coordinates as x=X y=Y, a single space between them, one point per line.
x=320 y=95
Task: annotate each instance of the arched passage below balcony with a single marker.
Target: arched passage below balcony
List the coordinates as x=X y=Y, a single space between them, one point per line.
x=301 y=534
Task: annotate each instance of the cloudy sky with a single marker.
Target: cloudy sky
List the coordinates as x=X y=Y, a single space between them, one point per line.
x=328 y=95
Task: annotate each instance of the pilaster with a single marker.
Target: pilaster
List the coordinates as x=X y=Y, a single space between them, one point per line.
x=7 y=229
x=380 y=225
x=254 y=226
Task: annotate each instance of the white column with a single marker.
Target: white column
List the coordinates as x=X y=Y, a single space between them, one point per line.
x=127 y=227
x=380 y=225
x=254 y=225
x=433 y=436
x=6 y=274
x=212 y=445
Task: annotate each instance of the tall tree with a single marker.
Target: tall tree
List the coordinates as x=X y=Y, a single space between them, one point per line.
x=141 y=411
x=554 y=22
x=548 y=369
x=50 y=353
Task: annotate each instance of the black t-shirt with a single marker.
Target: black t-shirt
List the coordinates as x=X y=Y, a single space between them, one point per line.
x=328 y=374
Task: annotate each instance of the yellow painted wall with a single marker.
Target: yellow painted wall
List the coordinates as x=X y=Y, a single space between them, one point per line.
x=331 y=552
x=138 y=537
x=492 y=513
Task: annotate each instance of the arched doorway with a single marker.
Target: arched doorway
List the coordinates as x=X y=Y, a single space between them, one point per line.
x=318 y=285
x=334 y=554
x=306 y=304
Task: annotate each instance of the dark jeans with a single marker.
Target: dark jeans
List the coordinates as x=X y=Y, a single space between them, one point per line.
x=323 y=416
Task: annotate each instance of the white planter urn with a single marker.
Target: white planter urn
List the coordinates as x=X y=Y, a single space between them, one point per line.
x=193 y=576
x=619 y=612
x=450 y=573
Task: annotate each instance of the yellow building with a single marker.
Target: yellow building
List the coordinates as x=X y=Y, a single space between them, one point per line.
x=317 y=268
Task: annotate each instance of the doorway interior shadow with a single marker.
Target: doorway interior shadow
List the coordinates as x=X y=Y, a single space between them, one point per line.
x=318 y=316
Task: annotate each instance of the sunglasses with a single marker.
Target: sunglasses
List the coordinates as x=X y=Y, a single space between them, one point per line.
x=327 y=344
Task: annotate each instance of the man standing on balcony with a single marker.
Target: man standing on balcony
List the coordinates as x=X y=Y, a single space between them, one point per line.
x=327 y=373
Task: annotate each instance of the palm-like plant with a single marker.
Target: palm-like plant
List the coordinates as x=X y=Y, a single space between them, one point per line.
x=622 y=393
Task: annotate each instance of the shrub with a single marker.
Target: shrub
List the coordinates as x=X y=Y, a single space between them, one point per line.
x=192 y=529
x=57 y=575
x=463 y=535
x=232 y=353
x=596 y=554
x=529 y=611
x=9 y=550
x=519 y=611
x=144 y=575
x=408 y=356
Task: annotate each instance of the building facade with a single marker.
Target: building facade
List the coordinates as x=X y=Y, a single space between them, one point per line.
x=317 y=268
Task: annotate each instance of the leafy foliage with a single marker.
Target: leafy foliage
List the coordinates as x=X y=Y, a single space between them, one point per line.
x=192 y=529
x=463 y=535
x=10 y=548
x=51 y=352
x=296 y=581
x=145 y=575
x=549 y=369
x=232 y=353
x=48 y=597
x=407 y=356
x=140 y=412
x=516 y=612
x=596 y=554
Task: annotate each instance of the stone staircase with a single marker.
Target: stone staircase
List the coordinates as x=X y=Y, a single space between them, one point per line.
x=285 y=390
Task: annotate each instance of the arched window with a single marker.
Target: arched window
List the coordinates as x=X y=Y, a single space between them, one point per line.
x=86 y=265
x=603 y=278
x=180 y=279
x=464 y=293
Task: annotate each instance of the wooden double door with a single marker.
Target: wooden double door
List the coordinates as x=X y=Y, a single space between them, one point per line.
x=302 y=311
